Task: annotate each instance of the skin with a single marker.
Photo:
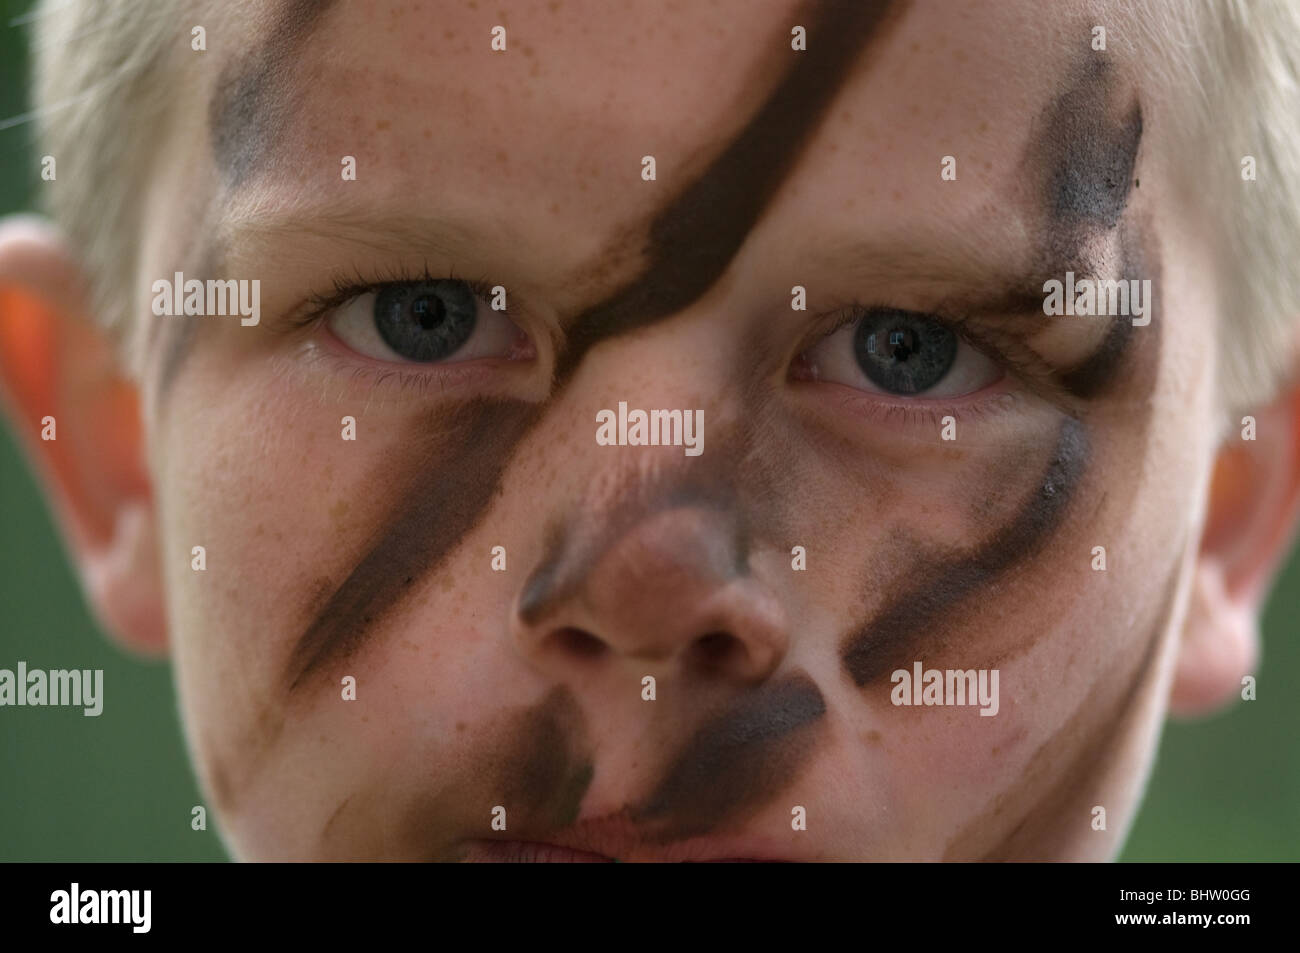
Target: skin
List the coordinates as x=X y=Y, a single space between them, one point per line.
x=372 y=558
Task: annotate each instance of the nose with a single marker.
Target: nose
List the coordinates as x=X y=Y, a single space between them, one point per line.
x=673 y=590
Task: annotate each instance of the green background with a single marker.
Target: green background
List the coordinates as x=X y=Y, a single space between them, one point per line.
x=119 y=787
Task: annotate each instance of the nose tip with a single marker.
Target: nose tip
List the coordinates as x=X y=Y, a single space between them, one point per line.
x=672 y=590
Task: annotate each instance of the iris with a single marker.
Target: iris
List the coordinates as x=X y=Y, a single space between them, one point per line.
x=426 y=321
x=902 y=352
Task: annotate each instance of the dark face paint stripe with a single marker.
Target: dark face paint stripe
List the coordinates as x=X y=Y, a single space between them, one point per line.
x=462 y=469
x=253 y=100
x=694 y=239
x=894 y=637
x=736 y=762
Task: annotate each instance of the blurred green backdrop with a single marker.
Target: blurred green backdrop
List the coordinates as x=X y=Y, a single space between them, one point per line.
x=119 y=787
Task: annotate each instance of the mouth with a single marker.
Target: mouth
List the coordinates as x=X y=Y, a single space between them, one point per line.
x=612 y=840
x=539 y=852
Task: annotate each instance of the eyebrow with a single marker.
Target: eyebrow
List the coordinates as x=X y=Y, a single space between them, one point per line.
x=995 y=303
x=253 y=96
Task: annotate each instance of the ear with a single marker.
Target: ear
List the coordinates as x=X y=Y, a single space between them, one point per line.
x=1253 y=510
x=77 y=417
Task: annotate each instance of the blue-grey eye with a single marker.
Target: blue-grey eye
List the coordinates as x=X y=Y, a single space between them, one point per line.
x=425 y=321
x=902 y=352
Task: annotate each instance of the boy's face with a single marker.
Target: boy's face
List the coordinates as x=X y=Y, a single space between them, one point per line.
x=478 y=687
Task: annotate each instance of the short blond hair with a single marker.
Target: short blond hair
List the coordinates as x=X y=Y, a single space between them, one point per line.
x=101 y=89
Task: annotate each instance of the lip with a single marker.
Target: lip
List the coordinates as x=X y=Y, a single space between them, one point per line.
x=614 y=838
x=540 y=852
x=528 y=852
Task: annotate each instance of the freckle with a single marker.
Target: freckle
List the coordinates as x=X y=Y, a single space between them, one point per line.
x=960 y=56
x=446 y=583
x=449 y=34
x=502 y=157
x=898 y=196
x=428 y=133
x=555 y=208
x=528 y=51
x=365 y=718
x=259 y=530
x=554 y=6
x=338 y=515
x=382 y=124
x=460 y=726
x=324 y=740
x=872 y=737
x=988 y=166
x=915 y=47
x=994 y=751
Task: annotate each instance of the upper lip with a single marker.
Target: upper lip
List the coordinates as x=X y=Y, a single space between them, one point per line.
x=616 y=837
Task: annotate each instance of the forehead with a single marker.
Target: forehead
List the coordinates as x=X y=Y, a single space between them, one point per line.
x=536 y=153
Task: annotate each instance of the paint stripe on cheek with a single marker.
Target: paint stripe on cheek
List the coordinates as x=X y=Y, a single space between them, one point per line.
x=923 y=614
x=457 y=462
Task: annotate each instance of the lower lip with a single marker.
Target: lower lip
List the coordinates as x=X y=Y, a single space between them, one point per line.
x=528 y=852
x=531 y=852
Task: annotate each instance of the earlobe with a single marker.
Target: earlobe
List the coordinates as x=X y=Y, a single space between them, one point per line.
x=77 y=418
x=1253 y=510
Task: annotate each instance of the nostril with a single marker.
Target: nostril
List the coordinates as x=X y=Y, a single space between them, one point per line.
x=715 y=649
x=579 y=643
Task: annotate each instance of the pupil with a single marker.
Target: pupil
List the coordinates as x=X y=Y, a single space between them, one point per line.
x=429 y=312
x=903 y=344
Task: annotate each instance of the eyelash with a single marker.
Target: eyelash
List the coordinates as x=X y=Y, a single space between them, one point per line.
x=353 y=284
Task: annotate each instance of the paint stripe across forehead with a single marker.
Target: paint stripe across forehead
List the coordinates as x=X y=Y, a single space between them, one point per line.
x=693 y=240
x=253 y=100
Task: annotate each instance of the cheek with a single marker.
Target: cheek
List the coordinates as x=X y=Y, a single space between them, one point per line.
x=255 y=471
